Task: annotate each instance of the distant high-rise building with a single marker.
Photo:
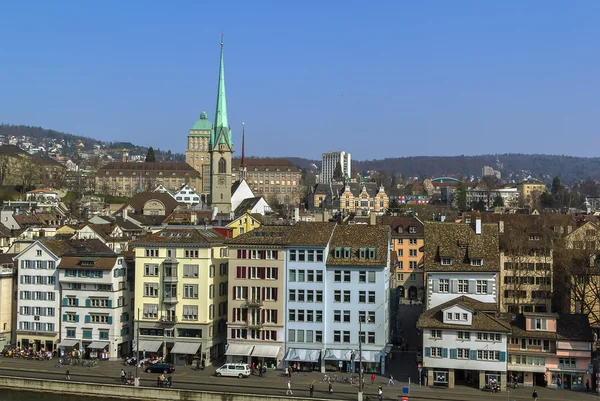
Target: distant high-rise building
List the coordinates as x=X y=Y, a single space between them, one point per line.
x=331 y=161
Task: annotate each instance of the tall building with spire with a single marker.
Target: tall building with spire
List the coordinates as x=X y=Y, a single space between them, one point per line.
x=221 y=149
x=210 y=149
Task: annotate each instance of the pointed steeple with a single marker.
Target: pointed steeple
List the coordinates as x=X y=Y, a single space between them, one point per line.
x=222 y=132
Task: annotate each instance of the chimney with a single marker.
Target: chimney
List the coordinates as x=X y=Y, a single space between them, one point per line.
x=501 y=227
x=124 y=214
x=193 y=218
x=372 y=218
x=478 y=225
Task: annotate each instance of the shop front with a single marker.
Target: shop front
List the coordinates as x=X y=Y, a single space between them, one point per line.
x=98 y=350
x=304 y=360
x=36 y=343
x=371 y=362
x=184 y=352
x=67 y=347
x=338 y=360
x=148 y=348
x=266 y=355
x=573 y=379
x=239 y=353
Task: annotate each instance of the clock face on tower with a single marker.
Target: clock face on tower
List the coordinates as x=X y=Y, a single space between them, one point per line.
x=221 y=180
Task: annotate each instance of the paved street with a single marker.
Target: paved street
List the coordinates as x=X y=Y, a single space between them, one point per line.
x=274 y=384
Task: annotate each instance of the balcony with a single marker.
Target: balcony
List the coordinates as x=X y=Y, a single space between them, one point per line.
x=170 y=278
x=252 y=303
x=168 y=319
x=170 y=299
x=254 y=325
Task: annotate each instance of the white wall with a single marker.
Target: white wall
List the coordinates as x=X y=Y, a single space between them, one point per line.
x=449 y=341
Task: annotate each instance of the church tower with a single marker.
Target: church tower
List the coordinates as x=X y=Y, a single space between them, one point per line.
x=221 y=149
x=197 y=155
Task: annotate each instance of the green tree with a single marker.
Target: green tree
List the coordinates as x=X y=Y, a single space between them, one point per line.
x=150 y=157
x=498 y=202
x=556 y=186
x=479 y=206
x=460 y=196
x=337 y=173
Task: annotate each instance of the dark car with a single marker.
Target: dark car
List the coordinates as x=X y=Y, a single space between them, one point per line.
x=160 y=368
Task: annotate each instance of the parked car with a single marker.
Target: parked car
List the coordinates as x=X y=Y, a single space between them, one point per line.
x=160 y=368
x=240 y=370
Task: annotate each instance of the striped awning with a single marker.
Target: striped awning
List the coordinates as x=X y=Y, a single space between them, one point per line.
x=185 y=348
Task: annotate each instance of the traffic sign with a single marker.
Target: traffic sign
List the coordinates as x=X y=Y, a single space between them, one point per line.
x=419 y=366
x=404 y=398
x=405 y=390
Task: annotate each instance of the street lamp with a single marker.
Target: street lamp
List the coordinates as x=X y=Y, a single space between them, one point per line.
x=360 y=370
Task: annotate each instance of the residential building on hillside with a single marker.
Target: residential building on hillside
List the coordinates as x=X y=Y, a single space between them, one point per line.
x=547 y=348
x=461 y=259
x=509 y=197
x=269 y=178
x=464 y=341
x=109 y=234
x=181 y=294
x=529 y=192
x=357 y=291
x=306 y=310
x=128 y=178
x=330 y=162
x=256 y=301
x=407 y=242
x=8 y=276
x=95 y=318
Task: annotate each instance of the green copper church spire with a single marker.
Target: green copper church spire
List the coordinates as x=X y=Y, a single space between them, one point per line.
x=222 y=132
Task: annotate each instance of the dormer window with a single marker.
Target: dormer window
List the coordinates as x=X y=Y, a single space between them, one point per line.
x=362 y=253
x=534 y=238
x=412 y=230
x=347 y=252
x=337 y=252
x=400 y=229
x=477 y=262
x=446 y=262
x=371 y=253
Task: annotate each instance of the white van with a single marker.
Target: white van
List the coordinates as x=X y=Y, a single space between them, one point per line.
x=240 y=370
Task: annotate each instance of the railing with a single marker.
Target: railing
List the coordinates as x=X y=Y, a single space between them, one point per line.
x=170 y=299
x=254 y=325
x=168 y=319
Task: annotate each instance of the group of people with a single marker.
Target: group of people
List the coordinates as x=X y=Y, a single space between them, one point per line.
x=493 y=383
x=293 y=368
x=262 y=370
x=28 y=353
x=127 y=379
x=164 y=381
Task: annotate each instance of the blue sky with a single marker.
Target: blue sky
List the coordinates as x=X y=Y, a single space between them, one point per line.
x=378 y=79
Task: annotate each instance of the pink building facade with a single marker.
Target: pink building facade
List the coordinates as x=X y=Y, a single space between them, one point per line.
x=548 y=349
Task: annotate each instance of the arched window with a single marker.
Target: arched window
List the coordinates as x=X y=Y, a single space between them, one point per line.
x=222 y=166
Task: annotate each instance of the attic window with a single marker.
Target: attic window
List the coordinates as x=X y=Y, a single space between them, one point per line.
x=347 y=252
x=173 y=174
x=337 y=252
x=160 y=173
x=133 y=173
x=371 y=253
x=463 y=246
x=255 y=169
x=163 y=234
x=446 y=262
x=412 y=230
x=87 y=263
x=363 y=253
x=277 y=169
x=267 y=169
x=289 y=169
x=477 y=262
x=400 y=229
x=188 y=235
x=107 y=172
x=147 y=173
x=120 y=173
x=534 y=238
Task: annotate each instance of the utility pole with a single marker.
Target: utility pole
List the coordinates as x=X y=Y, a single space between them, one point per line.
x=360 y=370
x=137 y=341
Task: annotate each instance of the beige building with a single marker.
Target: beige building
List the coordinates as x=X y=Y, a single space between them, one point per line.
x=529 y=192
x=128 y=178
x=181 y=294
x=256 y=305
x=197 y=153
x=271 y=178
x=7 y=303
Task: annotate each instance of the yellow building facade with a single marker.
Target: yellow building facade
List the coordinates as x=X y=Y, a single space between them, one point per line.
x=529 y=191
x=181 y=294
x=245 y=223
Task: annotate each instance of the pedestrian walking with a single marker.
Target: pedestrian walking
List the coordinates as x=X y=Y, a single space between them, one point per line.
x=122 y=375
x=372 y=378
x=379 y=393
x=330 y=388
x=68 y=375
x=391 y=380
x=587 y=386
x=534 y=395
x=289 y=389
x=311 y=389
x=287 y=372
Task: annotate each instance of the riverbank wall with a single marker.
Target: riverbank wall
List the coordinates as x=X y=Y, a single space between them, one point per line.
x=126 y=392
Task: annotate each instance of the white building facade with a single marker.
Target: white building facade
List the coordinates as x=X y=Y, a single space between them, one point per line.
x=38 y=305
x=464 y=341
x=330 y=161
x=445 y=286
x=95 y=306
